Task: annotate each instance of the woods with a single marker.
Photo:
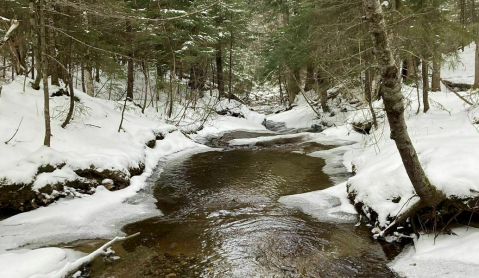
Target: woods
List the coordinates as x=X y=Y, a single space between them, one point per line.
x=117 y=88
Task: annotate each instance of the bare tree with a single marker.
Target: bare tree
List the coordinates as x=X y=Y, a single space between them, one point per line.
x=393 y=102
x=46 y=94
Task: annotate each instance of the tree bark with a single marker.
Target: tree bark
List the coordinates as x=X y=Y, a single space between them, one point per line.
x=411 y=69
x=293 y=83
x=52 y=48
x=322 y=84
x=425 y=85
x=394 y=106
x=130 y=77
x=219 y=70
x=369 y=96
x=309 y=84
x=46 y=95
x=476 y=73
x=35 y=45
x=436 y=73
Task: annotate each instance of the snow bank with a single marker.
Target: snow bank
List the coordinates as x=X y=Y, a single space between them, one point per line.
x=329 y=205
x=41 y=261
x=91 y=141
x=451 y=256
x=448 y=149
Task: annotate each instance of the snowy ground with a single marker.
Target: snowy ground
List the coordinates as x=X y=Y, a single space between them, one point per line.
x=91 y=140
x=447 y=143
x=445 y=138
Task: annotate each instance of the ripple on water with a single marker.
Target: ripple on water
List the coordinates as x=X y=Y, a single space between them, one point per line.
x=221 y=207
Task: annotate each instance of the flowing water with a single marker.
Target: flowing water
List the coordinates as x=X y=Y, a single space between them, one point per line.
x=223 y=219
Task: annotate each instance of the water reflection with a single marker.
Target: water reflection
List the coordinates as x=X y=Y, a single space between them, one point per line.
x=221 y=207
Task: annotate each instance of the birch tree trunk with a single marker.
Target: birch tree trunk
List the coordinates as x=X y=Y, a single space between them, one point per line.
x=394 y=106
x=425 y=85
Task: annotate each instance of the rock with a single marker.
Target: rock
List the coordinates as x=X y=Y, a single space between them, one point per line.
x=151 y=144
x=108 y=184
x=172 y=275
x=316 y=128
x=363 y=128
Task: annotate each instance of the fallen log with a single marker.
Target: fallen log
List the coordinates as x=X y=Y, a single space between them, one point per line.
x=71 y=268
x=457 y=87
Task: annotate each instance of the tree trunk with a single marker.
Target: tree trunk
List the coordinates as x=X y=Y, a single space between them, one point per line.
x=393 y=104
x=369 y=96
x=309 y=78
x=130 y=77
x=52 y=49
x=476 y=74
x=322 y=84
x=436 y=74
x=147 y=84
x=411 y=69
x=97 y=72
x=425 y=85
x=83 y=87
x=90 y=89
x=230 y=88
x=35 y=46
x=293 y=84
x=219 y=70
x=46 y=95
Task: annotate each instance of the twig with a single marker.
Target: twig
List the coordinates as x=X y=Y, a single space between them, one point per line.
x=6 y=143
x=448 y=222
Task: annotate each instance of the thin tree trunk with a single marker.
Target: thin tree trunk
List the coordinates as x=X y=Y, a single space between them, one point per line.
x=369 y=96
x=147 y=77
x=280 y=88
x=35 y=46
x=90 y=89
x=425 y=85
x=393 y=103
x=52 y=48
x=476 y=73
x=230 y=88
x=130 y=77
x=309 y=84
x=436 y=73
x=293 y=83
x=46 y=95
x=83 y=87
x=322 y=84
x=411 y=69
x=219 y=70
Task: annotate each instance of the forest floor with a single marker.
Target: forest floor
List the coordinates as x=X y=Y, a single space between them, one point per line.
x=446 y=139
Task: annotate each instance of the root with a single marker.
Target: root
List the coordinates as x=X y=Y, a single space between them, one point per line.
x=401 y=218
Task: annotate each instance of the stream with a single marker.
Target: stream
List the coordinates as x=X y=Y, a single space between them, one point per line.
x=222 y=218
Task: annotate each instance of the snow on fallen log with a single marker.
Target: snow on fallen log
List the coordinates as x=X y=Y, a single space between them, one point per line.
x=73 y=267
x=14 y=24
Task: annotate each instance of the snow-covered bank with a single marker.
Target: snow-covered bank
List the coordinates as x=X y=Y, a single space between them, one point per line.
x=446 y=139
x=450 y=256
x=90 y=142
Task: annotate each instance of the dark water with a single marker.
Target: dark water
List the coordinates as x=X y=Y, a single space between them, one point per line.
x=222 y=215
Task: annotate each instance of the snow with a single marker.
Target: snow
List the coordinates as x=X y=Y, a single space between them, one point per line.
x=329 y=205
x=40 y=262
x=450 y=256
x=463 y=71
x=301 y=116
x=263 y=139
x=91 y=140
